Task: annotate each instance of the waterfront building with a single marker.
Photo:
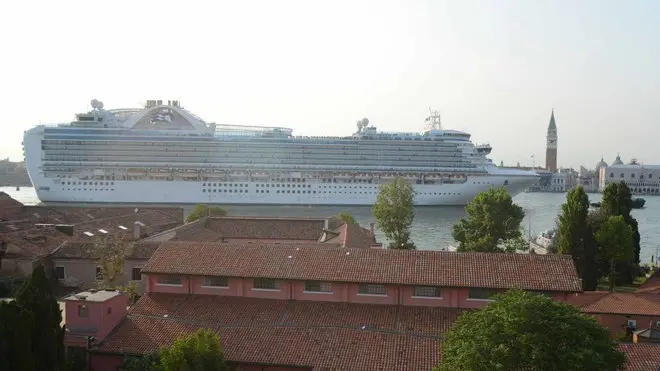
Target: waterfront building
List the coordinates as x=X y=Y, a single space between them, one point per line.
x=641 y=179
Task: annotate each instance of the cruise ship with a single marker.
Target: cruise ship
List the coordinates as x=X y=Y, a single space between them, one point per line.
x=163 y=153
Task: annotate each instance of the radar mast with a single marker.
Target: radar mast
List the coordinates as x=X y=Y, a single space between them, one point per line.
x=433 y=120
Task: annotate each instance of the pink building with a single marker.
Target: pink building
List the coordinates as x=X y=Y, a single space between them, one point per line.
x=91 y=315
x=299 y=306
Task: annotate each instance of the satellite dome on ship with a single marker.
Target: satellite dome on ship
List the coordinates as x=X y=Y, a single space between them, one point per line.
x=617 y=161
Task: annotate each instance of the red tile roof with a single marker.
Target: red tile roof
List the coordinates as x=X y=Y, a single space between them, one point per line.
x=652 y=284
x=302 y=262
x=308 y=229
x=641 y=356
x=625 y=303
x=69 y=250
x=325 y=336
x=291 y=229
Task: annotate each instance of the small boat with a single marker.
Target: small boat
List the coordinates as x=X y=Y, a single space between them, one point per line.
x=637 y=203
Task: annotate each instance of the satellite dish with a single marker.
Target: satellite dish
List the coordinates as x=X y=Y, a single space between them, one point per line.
x=97 y=104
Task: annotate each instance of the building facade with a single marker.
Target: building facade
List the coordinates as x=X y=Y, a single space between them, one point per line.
x=305 y=307
x=641 y=179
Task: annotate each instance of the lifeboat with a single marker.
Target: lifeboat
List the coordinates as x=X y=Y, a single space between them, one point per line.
x=410 y=176
x=363 y=176
x=343 y=175
x=389 y=175
x=160 y=172
x=190 y=173
x=135 y=171
x=259 y=175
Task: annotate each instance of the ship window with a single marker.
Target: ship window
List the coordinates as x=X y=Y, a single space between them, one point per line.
x=632 y=175
x=621 y=175
x=506 y=182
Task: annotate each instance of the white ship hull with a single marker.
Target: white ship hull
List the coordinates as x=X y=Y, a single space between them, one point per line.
x=107 y=157
x=193 y=192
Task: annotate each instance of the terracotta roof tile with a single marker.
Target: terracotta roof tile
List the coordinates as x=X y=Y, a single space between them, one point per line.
x=625 y=303
x=316 y=262
x=86 y=250
x=267 y=227
x=641 y=356
x=652 y=284
x=324 y=336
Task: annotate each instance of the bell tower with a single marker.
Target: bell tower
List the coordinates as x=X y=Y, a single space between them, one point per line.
x=551 y=145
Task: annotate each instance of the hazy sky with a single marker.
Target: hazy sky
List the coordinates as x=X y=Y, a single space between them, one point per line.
x=493 y=68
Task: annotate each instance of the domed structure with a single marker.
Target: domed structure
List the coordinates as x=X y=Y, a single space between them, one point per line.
x=618 y=160
x=601 y=164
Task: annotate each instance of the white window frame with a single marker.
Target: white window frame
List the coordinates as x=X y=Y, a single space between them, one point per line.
x=632 y=323
x=209 y=285
x=422 y=288
x=480 y=299
x=322 y=285
x=370 y=287
x=276 y=284
x=159 y=283
x=63 y=272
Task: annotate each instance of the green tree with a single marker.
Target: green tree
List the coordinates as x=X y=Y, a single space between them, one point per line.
x=47 y=333
x=394 y=212
x=201 y=211
x=575 y=237
x=346 y=217
x=615 y=238
x=148 y=362
x=198 y=352
x=527 y=331
x=16 y=337
x=492 y=224
x=617 y=200
x=111 y=254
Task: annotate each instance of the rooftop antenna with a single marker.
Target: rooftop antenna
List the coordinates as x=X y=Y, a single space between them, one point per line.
x=433 y=120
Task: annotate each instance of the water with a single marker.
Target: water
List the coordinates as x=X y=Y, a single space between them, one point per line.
x=433 y=225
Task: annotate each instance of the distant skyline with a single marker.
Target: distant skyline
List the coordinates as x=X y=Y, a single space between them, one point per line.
x=495 y=69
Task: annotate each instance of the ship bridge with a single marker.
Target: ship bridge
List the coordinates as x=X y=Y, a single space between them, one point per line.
x=170 y=116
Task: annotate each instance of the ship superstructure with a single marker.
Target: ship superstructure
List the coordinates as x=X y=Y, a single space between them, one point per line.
x=165 y=154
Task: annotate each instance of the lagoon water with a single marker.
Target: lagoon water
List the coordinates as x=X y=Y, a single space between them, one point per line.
x=433 y=225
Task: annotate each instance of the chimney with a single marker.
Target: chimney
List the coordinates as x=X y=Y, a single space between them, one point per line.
x=326 y=224
x=371 y=229
x=136 y=230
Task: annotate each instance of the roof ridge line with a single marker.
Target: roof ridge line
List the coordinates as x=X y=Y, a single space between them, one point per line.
x=208 y=324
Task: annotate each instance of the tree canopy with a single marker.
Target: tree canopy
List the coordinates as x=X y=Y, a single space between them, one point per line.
x=394 y=212
x=31 y=335
x=528 y=331
x=201 y=211
x=492 y=224
x=615 y=238
x=617 y=200
x=346 y=217
x=200 y=351
x=111 y=254
x=576 y=238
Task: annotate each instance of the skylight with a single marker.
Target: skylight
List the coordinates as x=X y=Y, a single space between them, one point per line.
x=123 y=228
x=89 y=234
x=103 y=231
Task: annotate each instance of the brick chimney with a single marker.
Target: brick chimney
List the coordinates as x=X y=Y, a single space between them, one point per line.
x=371 y=229
x=136 y=230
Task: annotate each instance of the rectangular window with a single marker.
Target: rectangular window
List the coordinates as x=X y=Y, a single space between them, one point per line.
x=266 y=284
x=99 y=274
x=372 y=289
x=480 y=294
x=169 y=280
x=136 y=274
x=216 y=281
x=59 y=273
x=632 y=323
x=427 y=292
x=318 y=286
x=83 y=311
